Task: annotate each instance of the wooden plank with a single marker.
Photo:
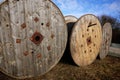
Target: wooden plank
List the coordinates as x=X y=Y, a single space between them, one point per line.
x=38 y=35
x=85 y=40
x=115 y=51
x=115 y=45
x=6 y=39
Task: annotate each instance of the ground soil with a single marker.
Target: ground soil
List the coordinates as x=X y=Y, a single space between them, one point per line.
x=106 y=69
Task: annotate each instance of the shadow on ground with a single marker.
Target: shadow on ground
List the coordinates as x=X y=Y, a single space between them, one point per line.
x=107 y=69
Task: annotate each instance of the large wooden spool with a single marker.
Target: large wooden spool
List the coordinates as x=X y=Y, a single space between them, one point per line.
x=33 y=37
x=70 y=21
x=107 y=37
x=86 y=40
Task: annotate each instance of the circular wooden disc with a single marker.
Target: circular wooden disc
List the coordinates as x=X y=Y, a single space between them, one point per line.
x=86 y=40
x=107 y=37
x=70 y=18
x=33 y=38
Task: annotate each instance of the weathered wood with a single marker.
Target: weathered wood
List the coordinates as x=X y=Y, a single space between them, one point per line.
x=114 y=51
x=86 y=40
x=106 y=40
x=115 y=45
x=70 y=21
x=33 y=37
x=70 y=18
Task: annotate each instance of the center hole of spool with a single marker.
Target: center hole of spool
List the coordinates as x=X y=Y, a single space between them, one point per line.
x=89 y=41
x=37 y=38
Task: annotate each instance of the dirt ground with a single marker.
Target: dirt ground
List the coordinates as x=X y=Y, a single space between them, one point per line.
x=107 y=69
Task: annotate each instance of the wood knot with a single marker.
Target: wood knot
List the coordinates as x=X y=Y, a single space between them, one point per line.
x=37 y=38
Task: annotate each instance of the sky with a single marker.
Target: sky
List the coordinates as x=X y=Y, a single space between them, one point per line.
x=97 y=7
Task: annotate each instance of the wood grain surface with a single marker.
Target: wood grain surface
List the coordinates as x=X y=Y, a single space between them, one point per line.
x=33 y=37
x=70 y=18
x=86 y=40
x=106 y=40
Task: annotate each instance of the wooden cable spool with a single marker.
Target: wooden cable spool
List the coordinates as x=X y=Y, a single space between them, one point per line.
x=70 y=21
x=107 y=37
x=33 y=37
x=86 y=40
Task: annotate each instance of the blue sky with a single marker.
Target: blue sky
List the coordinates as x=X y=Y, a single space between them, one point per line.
x=81 y=7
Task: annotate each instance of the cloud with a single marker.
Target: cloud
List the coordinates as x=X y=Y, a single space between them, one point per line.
x=81 y=7
x=1 y=1
x=68 y=4
x=115 y=6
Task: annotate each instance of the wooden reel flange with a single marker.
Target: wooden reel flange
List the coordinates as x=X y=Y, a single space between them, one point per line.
x=85 y=41
x=106 y=40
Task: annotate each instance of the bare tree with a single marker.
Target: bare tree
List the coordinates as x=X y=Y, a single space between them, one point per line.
x=104 y=18
x=115 y=25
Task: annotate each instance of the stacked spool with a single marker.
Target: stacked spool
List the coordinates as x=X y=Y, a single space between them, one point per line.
x=33 y=37
x=85 y=40
x=106 y=40
x=70 y=21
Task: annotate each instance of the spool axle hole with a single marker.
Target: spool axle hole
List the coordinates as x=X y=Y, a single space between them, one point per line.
x=37 y=38
x=89 y=41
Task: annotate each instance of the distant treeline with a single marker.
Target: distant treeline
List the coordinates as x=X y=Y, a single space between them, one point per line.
x=115 y=26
